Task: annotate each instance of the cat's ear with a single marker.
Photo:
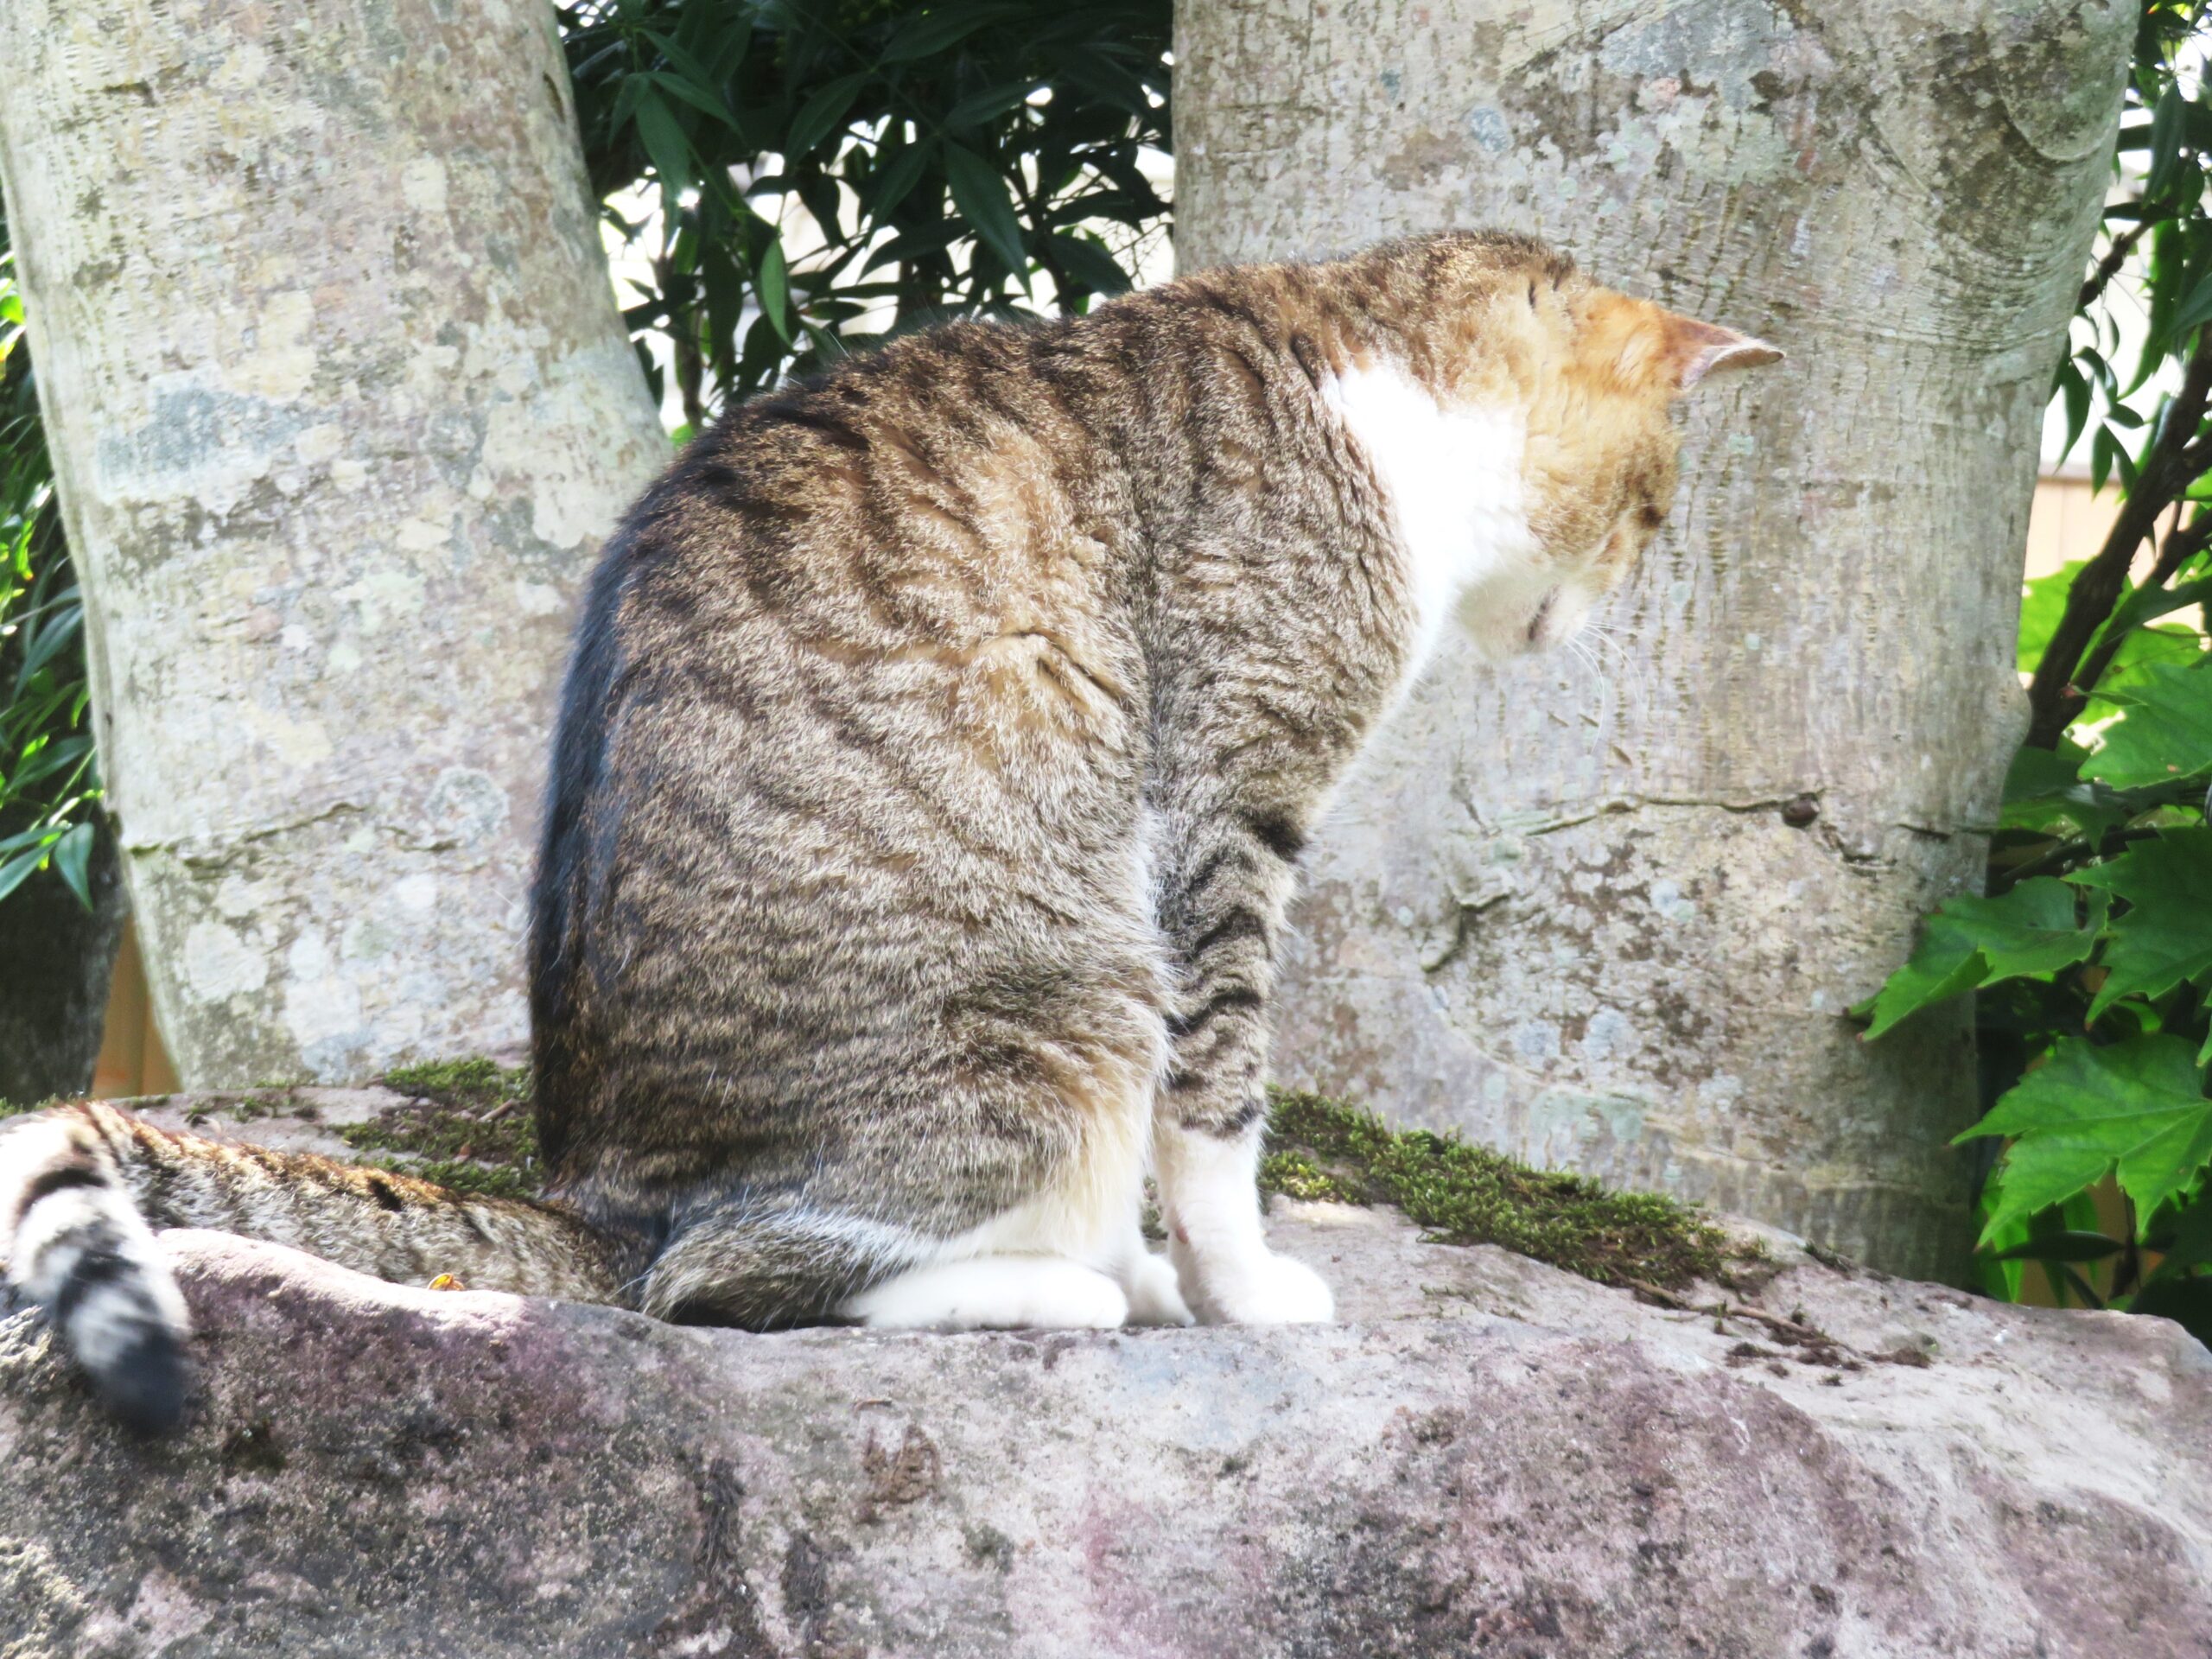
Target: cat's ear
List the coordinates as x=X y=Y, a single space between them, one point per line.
x=1650 y=352
x=1687 y=351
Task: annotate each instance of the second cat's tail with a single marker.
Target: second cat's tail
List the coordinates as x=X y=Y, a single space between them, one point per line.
x=83 y=1186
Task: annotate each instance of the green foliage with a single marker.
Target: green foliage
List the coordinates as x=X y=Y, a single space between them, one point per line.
x=1318 y=1148
x=2092 y=954
x=2032 y=931
x=793 y=182
x=817 y=177
x=48 y=779
x=2136 y=1106
x=2167 y=732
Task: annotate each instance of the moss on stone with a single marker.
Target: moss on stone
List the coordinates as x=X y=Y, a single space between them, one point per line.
x=1321 y=1149
x=477 y=1084
x=267 y=1100
x=468 y=1127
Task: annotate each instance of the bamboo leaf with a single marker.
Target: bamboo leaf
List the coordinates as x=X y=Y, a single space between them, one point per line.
x=821 y=115
x=772 y=279
x=987 y=206
x=72 y=856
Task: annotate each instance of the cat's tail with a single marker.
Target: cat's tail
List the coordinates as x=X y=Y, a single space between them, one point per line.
x=83 y=1186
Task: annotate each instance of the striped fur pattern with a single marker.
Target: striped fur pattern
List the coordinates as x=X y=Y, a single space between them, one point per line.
x=82 y=1187
x=942 y=734
x=933 y=772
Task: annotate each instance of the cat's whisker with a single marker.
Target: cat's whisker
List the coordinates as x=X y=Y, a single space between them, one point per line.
x=1635 y=673
x=1582 y=652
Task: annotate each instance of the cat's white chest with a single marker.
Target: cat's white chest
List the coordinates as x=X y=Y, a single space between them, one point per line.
x=1454 y=484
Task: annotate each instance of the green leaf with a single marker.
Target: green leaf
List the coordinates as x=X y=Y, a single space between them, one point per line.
x=18 y=870
x=773 y=278
x=2042 y=601
x=2124 y=462
x=2149 y=603
x=2000 y=1277
x=985 y=202
x=71 y=854
x=2165 y=936
x=2043 y=791
x=2167 y=732
x=685 y=61
x=821 y=115
x=2074 y=387
x=2176 y=646
x=2137 y=1107
x=1089 y=263
x=2165 y=139
x=2028 y=932
x=2104 y=449
x=886 y=189
x=662 y=134
x=2190 y=1243
x=2064 y=1246
x=937 y=27
x=988 y=105
x=2194 y=309
x=46 y=642
x=697 y=97
x=43 y=757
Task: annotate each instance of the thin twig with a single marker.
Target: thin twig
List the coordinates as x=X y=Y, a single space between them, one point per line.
x=2109 y=267
x=1790 y=1328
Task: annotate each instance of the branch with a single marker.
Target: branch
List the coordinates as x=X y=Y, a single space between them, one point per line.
x=2179 y=547
x=2109 y=267
x=2053 y=699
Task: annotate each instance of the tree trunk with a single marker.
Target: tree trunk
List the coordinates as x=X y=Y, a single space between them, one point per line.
x=1609 y=917
x=341 y=409
x=56 y=958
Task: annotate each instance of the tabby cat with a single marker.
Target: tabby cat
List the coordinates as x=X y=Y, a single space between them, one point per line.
x=934 y=764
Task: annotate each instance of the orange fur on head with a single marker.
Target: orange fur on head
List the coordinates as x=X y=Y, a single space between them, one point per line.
x=1647 y=348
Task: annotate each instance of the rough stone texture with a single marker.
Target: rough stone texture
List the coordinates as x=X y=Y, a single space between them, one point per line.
x=1489 y=1456
x=1565 y=911
x=341 y=409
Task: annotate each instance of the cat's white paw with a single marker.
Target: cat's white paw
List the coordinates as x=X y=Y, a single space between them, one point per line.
x=1262 y=1288
x=1156 y=1295
x=994 y=1293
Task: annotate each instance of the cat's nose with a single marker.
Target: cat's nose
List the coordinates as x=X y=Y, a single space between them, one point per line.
x=1534 y=633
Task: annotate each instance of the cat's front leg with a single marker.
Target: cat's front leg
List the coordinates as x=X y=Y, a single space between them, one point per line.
x=1229 y=1276
x=1221 y=900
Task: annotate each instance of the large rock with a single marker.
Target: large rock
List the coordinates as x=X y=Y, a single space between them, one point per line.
x=1486 y=1456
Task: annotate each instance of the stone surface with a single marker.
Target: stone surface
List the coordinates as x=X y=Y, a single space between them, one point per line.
x=1487 y=1457
x=1567 y=911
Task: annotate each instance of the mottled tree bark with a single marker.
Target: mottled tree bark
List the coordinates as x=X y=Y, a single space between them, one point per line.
x=1609 y=917
x=341 y=409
